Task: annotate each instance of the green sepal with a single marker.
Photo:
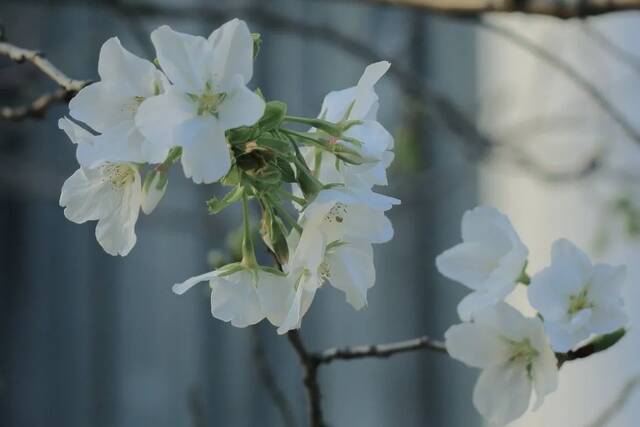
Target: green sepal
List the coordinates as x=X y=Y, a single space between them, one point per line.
x=241 y=134
x=287 y=172
x=257 y=44
x=309 y=185
x=272 y=271
x=274 y=233
x=229 y=269
x=232 y=178
x=603 y=342
x=274 y=114
x=274 y=144
x=347 y=155
x=216 y=205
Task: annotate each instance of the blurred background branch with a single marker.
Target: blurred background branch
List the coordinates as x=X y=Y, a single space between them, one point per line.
x=556 y=8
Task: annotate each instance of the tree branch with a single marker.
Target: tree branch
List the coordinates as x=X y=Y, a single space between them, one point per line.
x=310 y=365
x=20 y=55
x=556 y=8
x=381 y=350
x=569 y=71
x=39 y=107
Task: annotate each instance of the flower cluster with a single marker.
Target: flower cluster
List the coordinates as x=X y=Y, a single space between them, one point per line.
x=192 y=105
x=574 y=298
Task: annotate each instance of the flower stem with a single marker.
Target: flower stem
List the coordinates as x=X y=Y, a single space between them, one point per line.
x=248 y=252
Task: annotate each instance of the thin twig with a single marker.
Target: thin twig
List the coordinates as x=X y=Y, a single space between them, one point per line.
x=38 y=108
x=618 y=403
x=268 y=380
x=381 y=350
x=20 y=55
x=310 y=365
x=555 y=8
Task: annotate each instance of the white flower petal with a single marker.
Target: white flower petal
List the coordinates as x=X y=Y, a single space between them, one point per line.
x=205 y=154
x=352 y=271
x=469 y=263
x=336 y=104
x=275 y=294
x=545 y=374
x=299 y=306
x=476 y=346
x=505 y=320
x=184 y=58
x=100 y=105
x=232 y=52
x=374 y=137
x=608 y=318
x=159 y=116
x=86 y=197
x=475 y=302
x=563 y=337
x=488 y=226
x=181 y=288
x=241 y=107
x=366 y=100
x=549 y=294
x=606 y=283
x=234 y=299
x=502 y=393
x=569 y=256
x=136 y=76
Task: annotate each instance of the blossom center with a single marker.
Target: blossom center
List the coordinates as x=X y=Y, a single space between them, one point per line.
x=579 y=302
x=337 y=213
x=132 y=106
x=118 y=174
x=209 y=101
x=523 y=352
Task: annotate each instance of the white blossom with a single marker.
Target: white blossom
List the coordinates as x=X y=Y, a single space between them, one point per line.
x=576 y=298
x=357 y=103
x=109 y=107
x=346 y=266
x=244 y=297
x=515 y=357
x=208 y=96
x=350 y=215
x=109 y=193
x=489 y=260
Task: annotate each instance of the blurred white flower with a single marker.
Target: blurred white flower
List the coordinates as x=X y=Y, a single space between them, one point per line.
x=357 y=103
x=110 y=106
x=244 y=297
x=575 y=298
x=489 y=260
x=208 y=96
x=515 y=357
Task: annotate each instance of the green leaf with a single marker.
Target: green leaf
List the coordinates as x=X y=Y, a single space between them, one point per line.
x=216 y=205
x=274 y=113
